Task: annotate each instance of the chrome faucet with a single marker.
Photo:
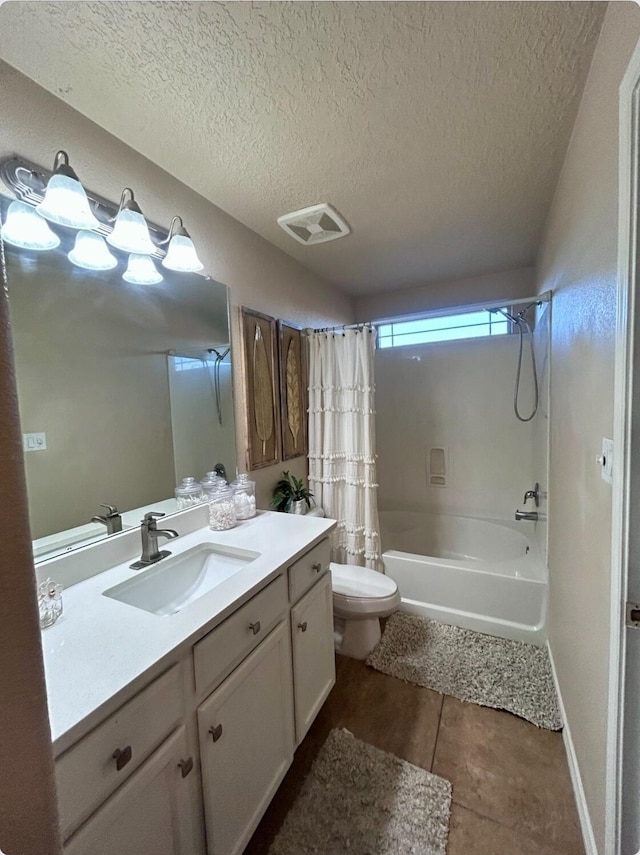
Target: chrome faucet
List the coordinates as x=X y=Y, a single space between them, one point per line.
x=111 y=519
x=533 y=494
x=150 y=534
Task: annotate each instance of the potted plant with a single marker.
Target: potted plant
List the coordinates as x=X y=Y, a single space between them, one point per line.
x=291 y=496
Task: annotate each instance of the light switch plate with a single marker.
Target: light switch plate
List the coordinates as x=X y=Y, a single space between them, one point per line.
x=34 y=441
x=607 y=460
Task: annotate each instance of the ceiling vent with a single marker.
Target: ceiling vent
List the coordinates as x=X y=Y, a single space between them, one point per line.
x=317 y=224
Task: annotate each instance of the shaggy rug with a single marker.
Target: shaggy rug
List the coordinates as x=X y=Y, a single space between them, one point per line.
x=358 y=800
x=492 y=672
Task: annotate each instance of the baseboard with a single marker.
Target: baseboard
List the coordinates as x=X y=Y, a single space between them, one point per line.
x=574 y=770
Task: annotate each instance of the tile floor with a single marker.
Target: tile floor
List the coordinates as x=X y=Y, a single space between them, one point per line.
x=511 y=789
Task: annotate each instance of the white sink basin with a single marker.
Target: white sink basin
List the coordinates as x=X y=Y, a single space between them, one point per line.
x=171 y=584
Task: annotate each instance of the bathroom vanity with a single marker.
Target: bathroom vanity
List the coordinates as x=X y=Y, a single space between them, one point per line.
x=175 y=719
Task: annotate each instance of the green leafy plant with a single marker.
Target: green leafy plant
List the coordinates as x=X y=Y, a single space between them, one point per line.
x=288 y=490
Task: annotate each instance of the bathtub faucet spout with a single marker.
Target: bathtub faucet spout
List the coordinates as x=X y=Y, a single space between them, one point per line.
x=527 y=515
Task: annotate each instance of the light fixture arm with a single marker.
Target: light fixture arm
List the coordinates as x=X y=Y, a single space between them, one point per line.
x=61 y=165
x=176 y=228
x=128 y=202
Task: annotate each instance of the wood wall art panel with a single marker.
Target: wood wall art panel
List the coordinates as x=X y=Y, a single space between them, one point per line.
x=260 y=355
x=293 y=390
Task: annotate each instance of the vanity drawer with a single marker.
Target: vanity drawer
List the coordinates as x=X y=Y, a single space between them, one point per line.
x=307 y=570
x=88 y=772
x=218 y=653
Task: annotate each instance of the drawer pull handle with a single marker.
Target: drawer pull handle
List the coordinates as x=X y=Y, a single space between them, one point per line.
x=303 y=626
x=186 y=766
x=216 y=732
x=317 y=567
x=122 y=756
x=255 y=627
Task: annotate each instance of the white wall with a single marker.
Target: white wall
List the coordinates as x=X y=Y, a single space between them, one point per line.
x=501 y=286
x=578 y=261
x=459 y=395
x=35 y=124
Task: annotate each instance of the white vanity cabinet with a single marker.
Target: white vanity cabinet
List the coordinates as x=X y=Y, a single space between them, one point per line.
x=246 y=742
x=314 y=664
x=154 y=813
x=198 y=752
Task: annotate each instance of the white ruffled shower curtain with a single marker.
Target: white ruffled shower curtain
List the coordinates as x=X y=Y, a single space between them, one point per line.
x=342 y=457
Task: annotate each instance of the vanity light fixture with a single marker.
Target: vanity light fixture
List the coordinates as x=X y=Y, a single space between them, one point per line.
x=25 y=229
x=65 y=201
x=130 y=232
x=141 y=270
x=181 y=253
x=91 y=252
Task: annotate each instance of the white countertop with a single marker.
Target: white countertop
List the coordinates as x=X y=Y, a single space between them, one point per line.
x=102 y=651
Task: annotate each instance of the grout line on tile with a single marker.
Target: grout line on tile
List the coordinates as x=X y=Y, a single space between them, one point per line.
x=435 y=742
x=526 y=834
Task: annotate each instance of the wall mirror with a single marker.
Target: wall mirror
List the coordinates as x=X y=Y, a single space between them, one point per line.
x=123 y=389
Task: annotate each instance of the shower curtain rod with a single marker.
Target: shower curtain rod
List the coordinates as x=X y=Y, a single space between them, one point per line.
x=467 y=307
x=470 y=307
x=365 y=325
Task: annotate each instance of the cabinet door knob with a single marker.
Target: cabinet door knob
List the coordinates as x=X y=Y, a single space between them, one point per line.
x=122 y=756
x=216 y=732
x=255 y=627
x=317 y=567
x=186 y=766
x=303 y=626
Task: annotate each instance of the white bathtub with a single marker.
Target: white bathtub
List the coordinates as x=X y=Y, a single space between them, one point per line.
x=486 y=575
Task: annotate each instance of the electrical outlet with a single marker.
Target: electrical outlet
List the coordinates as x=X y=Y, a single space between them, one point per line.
x=606 y=460
x=34 y=442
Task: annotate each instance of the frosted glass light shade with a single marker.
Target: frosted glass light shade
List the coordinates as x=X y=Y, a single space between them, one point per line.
x=182 y=256
x=131 y=234
x=91 y=252
x=25 y=229
x=66 y=204
x=141 y=271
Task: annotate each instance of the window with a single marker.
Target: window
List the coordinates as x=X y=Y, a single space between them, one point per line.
x=443 y=328
x=185 y=363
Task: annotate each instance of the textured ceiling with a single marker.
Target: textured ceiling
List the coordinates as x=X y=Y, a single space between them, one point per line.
x=437 y=129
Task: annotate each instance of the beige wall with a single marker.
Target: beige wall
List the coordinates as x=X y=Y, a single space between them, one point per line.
x=35 y=124
x=508 y=284
x=578 y=261
x=458 y=395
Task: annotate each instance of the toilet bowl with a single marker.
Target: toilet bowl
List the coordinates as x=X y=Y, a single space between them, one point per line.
x=360 y=598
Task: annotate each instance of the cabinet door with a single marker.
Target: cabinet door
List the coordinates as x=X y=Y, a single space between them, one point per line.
x=314 y=665
x=156 y=812
x=246 y=743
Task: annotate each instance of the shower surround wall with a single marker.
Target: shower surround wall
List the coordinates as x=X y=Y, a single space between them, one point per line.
x=458 y=395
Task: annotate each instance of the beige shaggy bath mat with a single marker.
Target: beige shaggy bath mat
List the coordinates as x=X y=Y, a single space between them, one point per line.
x=481 y=669
x=358 y=800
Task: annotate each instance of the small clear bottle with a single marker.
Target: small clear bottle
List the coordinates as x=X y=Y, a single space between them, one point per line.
x=222 y=509
x=244 y=496
x=189 y=492
x=210 y=483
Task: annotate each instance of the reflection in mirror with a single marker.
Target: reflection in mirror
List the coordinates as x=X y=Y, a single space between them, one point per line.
x=127 y=389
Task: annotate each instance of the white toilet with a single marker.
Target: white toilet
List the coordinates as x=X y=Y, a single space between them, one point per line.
x=360 y=598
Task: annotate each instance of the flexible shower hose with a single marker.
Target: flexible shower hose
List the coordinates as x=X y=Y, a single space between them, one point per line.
x=520 y=322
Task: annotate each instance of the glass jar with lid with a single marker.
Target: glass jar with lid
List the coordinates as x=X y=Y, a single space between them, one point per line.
x=222 y=509
x=210 y=483
x=189 y=492
x=244 y=496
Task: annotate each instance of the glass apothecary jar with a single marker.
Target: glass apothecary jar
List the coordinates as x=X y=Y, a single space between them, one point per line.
x=244 y=496
x=210 y=483
x=189 y=492
x=222 y=509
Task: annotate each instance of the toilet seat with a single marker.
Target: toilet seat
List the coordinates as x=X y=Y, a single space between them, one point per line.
x=362 y=592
